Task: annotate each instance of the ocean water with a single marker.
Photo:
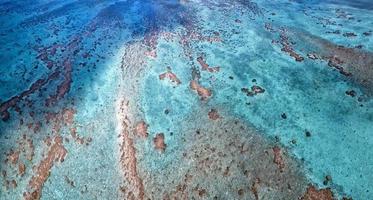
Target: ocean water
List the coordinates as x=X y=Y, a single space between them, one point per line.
x=186 y=99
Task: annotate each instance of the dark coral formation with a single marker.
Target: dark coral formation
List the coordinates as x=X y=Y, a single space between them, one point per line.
x=336 y=63
x=254 y=90
x=159 y=143
x=64 y=87
x=351 y=62
x=11 y=103
x=287 y=47
x=278 y=159
x=351 y=93
x=313 y=193
x=213 y=114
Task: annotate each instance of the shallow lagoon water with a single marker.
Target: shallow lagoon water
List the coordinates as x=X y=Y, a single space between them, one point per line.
x=186 y=99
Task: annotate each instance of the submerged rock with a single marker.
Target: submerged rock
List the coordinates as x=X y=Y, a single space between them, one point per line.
x=351 y=93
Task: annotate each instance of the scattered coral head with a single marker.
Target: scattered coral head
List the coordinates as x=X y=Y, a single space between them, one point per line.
x=21 y=169
x=255 y=89
x=278 y=159
x=314 y=194
x=141 y=129
x=288 y=48
x=12 y=157
x=213 y=114
x=206 y=67
x=159 y=143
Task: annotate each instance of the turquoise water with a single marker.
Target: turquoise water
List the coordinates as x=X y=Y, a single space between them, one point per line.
x=186 y=99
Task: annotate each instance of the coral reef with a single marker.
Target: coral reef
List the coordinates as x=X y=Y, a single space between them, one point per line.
x=56 y=153
x=204 y=99
x=204 y=93
x=128 y=160
x=314 y=194
x=171 y=76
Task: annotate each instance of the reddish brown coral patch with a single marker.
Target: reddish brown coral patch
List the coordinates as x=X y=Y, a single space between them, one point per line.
x=213 y=114
x=56 y=153
x=26 y=146
x=257 y=89
x=159 y=142
x=65 y=117
x=151 y=41
x=336 y=63
x=128 y=160
x=314 y=194
x=64 y=87
x=205 y=66
x=75 y=136
x=21 y=169
x=171 y=76
x=204 y=93
x=68 y=116
x=255 y=187
x=141 y=129
x=278 y=159
x=288 y=48
x=48 y=141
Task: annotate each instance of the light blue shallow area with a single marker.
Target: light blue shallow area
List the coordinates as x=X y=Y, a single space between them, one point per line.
x=310 y=93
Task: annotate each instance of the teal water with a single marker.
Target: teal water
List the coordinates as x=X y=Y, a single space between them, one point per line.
x=253 y=99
